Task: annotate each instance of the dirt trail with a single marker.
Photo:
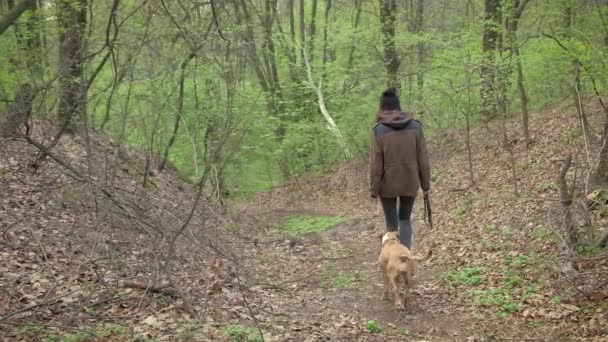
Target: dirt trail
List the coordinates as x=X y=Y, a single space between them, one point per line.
x=330 y=286
x=503 y=249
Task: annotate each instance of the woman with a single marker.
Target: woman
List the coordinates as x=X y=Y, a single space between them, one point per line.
x=399 y=164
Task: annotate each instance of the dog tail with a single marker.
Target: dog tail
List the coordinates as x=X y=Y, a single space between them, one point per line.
x=422 y=258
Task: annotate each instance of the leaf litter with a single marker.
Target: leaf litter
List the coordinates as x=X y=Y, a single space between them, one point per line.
x=66 y=254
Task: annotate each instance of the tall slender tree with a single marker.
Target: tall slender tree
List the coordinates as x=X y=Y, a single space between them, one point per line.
x=490 y=43
x=72 y=15
x=388 y=12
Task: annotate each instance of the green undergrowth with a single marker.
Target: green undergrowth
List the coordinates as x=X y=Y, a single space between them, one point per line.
x=305 y=224
x=238 y=333
x=103 y=331
x=504 y=290
x=339 y=280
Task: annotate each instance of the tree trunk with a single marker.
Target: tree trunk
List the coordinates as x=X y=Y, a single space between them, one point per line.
x=302 y=31
x=351 y=52
x=313 y=31
x=331 y=124
x=72 y=94
x=566 y=200
x=17 y=113
x=523 y=97
x=266 y=69
x=388 y=9
x=575 y=73
x=603 y=240
x=178 y=111
x=325 y=32
x=488 y=71
x=11 y=17
x=421 y=52
x=512 y=23
x=348 y=83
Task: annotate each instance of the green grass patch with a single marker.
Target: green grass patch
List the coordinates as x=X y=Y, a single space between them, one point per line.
x=341 y=280
x=471 y=276
x=499 y=298
x=587 y=250
x=553 y=186
x=305 y=224
x=241 y=333
x=187 y=330
x=512 y=281
x=543 y=234
x=101 y=331
x=372 y=327
x=464 y=208
x=403 y=331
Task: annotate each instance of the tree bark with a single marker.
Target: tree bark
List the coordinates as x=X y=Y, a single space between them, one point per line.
x=488 y=70
x=351 y=52
x=415 y=27
x=388 y=9
x=566 y=200
x=603 y=240
x=517 y=8
x=266 y=68
x=11 y=17
x=17 y=113
x=72 y=93
x=313 y=31
x=178 y=111
x=325 y=33
x=331 y=124
x=575 y=72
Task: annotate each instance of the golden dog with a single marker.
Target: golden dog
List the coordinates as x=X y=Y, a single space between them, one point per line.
x=398 y=265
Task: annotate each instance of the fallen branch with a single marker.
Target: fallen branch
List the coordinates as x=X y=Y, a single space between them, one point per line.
x=164 y=289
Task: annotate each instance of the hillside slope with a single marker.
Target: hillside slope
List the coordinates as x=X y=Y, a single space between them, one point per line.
x=499 y=256
x=94 y=257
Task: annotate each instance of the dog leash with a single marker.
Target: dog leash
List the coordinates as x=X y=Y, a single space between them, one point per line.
x=428 y=213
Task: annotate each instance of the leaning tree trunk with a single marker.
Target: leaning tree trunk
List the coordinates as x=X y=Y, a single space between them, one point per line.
x=488 y=71
x=178 y=111
x=72 y=16
x=388 y=9
x=330 y=123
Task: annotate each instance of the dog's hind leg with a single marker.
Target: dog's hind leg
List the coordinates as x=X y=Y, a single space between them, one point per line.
x=386 y=291
x=393 y=281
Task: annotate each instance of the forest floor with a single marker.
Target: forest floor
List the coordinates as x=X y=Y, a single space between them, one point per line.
x=498 y=270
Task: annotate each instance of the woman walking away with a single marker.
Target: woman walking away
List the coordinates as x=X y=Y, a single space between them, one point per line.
x=399 y=164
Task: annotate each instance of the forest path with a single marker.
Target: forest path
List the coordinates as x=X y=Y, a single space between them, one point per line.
x=329 y=286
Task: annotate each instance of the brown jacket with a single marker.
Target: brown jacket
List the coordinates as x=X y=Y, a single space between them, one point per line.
x=399 y=161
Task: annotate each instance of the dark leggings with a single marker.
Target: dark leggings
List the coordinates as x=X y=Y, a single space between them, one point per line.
x=397 y=216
